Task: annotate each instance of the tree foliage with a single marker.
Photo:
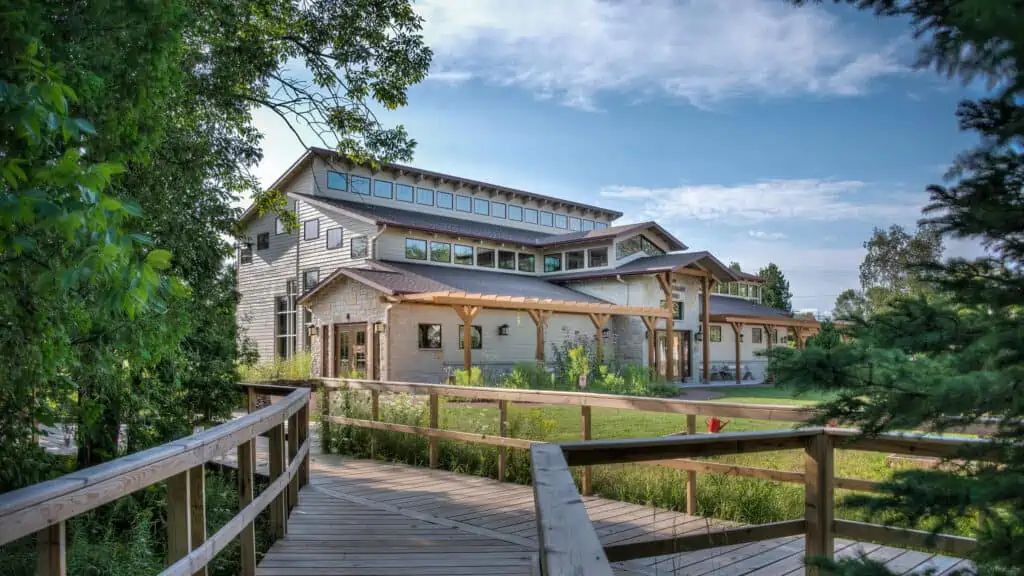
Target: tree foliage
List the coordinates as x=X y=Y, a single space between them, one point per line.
x=776 y=288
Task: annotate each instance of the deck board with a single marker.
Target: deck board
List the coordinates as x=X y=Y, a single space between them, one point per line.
x=381 y=519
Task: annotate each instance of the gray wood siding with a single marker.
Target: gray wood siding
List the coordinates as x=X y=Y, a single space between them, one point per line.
x=314 y=253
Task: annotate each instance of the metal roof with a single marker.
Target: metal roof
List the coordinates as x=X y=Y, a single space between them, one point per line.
x=729 y=306
x=651 y=265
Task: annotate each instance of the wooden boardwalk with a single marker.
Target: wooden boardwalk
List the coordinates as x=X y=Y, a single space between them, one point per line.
x=379 y=519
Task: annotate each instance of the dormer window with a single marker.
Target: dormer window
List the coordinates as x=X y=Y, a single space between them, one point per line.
x=498 y=209
x=529 y=215
x=588 y=225
x=575 y=224
x=360 y=185
x=561 y=221
x=481 y=207
x=547 y=219
x=403 y=192
x=337 y=181
x=463 y=203
x=515 y=213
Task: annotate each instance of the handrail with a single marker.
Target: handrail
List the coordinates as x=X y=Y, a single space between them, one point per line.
x=44 y=508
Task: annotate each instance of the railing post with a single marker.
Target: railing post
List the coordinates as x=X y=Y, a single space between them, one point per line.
x=303 y=436
x=433 y=425
x=325 y=420
x=503 y=432
x=375 y=416
x=293 y=451
x=251 y=399
x=179 y=522
x=691 y=476
x=278 y=513
x=247 y=539
x=585 y=411
x=818 y=498
x=51 y=544
x=197 y=510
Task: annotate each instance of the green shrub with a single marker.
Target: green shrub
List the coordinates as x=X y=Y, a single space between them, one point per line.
x=529 y=376
x=475 y=377
x=298 y=367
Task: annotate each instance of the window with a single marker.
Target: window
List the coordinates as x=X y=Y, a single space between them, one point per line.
x=588 y=225
x=430 y=336
x=403 y=192
x=360 y=185
x=745 y=290
x=485 y=257
x=311 y=229
x=561 y=221
x=716 y=333
x=245 y=254
x=337 y=181
x=529 y=215
x=775 y=336
x=553 y=263
x=734 y=288
x=262 y=241
x=463 y=204
x=506 y=260
x=527 y=262
x=476 y=337
x=575 y=260
x=638 y=243
x=515 y=213
x=357 y=246
x=463 y=255
x=498 y=209
x=598 y=257
x=333 y=238
x=444 y=200
x=284 y=328
x=415 y=249
x=425 y=196
x=677 y=309
x=575 y=223
x=307 y=321
x=756 y=336
x=383 y=189
x=547 y=219
x=279 y=226
x=310 y=278
x=481 y=206
x=440 y=252
x=600 y=225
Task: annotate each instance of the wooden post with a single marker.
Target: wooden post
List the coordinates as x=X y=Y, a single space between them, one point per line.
x=599 y=320
x=651 y=322
x=540 y=320
x=278 y=512
x=197 y=510
x=293 y=451
x=705 y=323
x=818 y=498
x=586 y=436
x=247 y=539
x=691 y=476
x=375 y=416
x=303 y=436
x=178 y=517
x=666 y=286
x=433 y=442
x=737 y=332
x=502 y=431
x=51 y=546
x=467 y=314
x=251 y=400
x=769 y=331
x=325 y=421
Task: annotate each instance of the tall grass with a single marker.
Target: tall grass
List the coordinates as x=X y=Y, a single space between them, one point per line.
x=298 y=367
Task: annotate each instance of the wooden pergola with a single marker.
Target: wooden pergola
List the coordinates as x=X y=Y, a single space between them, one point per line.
x=799 y=327
x=468 y=305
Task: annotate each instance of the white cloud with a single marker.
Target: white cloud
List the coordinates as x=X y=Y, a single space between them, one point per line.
x=809 y=199
x=763 y=235
x=698 y=50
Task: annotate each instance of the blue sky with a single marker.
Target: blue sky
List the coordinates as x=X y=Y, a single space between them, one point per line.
x=755 y=130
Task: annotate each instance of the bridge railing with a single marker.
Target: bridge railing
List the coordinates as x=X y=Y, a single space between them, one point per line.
x=44 y=509
x=568 y=542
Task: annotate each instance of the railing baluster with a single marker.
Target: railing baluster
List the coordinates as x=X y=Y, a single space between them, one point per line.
x=293 y=451
x=503 y=432
x=197 y=510
x=51 y=543
x=179 y=521
x=433 y=442
x=247 y=539
x=278 y=508
x=585 y=412
x=818 y=498
x=691 y=476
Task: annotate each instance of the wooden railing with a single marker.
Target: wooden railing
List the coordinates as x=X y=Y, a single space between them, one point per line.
x=43 y=509
x=569 y=544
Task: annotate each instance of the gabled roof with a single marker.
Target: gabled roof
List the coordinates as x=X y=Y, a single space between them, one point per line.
x=653 y=265
x=729 y=309
x=748 y=277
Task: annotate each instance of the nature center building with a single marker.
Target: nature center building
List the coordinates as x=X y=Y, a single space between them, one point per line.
x=391 y=271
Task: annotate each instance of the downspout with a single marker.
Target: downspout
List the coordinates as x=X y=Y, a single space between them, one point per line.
x=373 y=241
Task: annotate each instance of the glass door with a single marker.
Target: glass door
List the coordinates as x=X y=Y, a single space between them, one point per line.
x=350 y=350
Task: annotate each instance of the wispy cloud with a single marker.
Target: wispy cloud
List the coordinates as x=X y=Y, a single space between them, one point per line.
x=763 y=235
x=699 y=50
x=808 y=199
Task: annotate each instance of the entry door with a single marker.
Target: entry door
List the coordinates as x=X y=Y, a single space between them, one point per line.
x=350 y=350
x=678 y=353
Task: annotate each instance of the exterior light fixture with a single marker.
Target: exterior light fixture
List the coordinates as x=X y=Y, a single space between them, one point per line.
x=314 y=330
x=699 y=336
x=503 y=330
x=741 y=337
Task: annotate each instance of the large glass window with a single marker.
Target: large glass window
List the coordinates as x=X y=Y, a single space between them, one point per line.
x=527 y=262
x=575 y=223
x=311 y=229
x=307 y=321
x=463 y=255
x=357 y=247
x=403 y=192
x=463 y=203
x=561 y=221
x=529 y=215
x=415 y=249
x=553 y=263
x=383 y=189
x=600 y=225
x=506 y=260
x=333 y=238
x=575 y=260
x=476 y=336
x=444 y=200
x=425 y=196
x=498 y=209
x=337 y=181
x=547 y=219
x=430 y=336
x=485 y=257
x=440 y=252
x=598 y=257
x=310 y=278
x=481 y=206
x=360 y=185
x=638 y=243
x=262 y=241
x=284 y=329
x=588 y=225
x=515 y=212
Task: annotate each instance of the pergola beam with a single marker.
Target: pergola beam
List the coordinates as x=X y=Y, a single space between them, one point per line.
x=522 y=303
x=766 y=320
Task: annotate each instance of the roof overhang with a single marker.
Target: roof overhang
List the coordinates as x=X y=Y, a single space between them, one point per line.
x=522 y=303
x=766 y=320
x=349 y=273
x=250 y=212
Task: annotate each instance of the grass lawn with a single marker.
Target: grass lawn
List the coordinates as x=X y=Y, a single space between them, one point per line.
x=770 y=395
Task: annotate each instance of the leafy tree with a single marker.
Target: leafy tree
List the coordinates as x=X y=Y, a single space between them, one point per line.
x=735 y=267
x=955 y=353
x=850 y=305
x=895 y=262
x=776 y=288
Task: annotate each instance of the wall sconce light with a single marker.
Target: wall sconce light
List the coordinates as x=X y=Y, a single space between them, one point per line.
x=699 y=336
x=503 y=330
x=314 y=330
x=605 y=332
x=378 y=327
x=741 y=337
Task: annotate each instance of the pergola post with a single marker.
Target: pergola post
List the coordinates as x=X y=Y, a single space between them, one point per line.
x=599 y=321
x=769 y=331
x=651 y=322
x=540 y=320
x=737 y=330
x=666 y=286
x=705 y=323
x=467 y=314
